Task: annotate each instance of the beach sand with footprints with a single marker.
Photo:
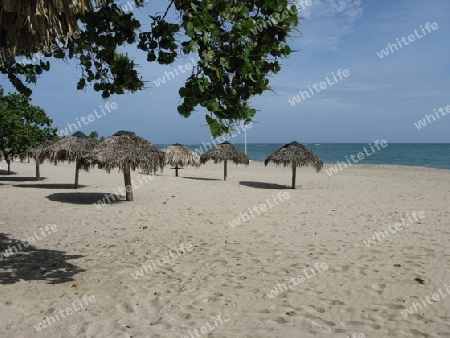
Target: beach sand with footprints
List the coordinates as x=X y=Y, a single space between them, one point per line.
x=196 y=256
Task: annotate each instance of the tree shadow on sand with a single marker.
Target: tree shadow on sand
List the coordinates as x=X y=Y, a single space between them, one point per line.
x=12 y=177
x=263 y=185
x=26 y=262
x=5 y=172
x=49 y=186
x=85 y=198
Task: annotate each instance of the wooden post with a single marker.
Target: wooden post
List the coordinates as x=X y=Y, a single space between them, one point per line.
x=294 y=172
x=176 y=170
x=38 y=173
x=77 y=172
x=128 y=186
x=225 y=170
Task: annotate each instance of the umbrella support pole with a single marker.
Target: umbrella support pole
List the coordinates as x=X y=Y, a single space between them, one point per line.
x=77 y=173
x=294 y=172
x=176 y=170
x=38 y=172
x=225 y=170
x=128 y=186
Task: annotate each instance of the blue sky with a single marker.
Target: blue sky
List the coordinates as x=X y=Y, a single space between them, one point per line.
x=381 y=99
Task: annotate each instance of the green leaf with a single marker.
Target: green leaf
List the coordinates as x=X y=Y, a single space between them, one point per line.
x=189 y=28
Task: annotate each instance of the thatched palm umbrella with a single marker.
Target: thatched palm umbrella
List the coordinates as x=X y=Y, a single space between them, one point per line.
x=72 y=149
x=225 y=152
x=32 y=24
x=295 y=155
x=179 y=155
x=125 y=150
x=38 y=154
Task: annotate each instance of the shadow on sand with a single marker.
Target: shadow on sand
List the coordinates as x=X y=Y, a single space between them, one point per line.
x=151 y=174
x=5 y=172
x=201 y=178
x=85 y=198
x=29 y=263
x=19 y=179
x=5 y=177
x=263 y=185
x=49 y=186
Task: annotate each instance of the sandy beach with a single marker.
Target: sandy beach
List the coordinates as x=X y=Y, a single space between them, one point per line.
x=363 y=253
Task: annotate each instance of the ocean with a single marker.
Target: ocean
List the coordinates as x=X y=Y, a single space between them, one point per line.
x=431 y=155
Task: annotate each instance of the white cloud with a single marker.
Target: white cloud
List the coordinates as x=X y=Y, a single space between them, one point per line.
x=327 y=21
x=350 y=9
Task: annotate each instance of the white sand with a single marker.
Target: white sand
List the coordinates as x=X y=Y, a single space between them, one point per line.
x=229 y=270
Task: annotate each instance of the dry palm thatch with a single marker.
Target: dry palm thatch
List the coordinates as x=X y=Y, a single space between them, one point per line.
x=72 y=149
x=295 y=155
x=38 y=154
x=179 y=155
x=126 y=151
x=225 y=152
x=28 y=25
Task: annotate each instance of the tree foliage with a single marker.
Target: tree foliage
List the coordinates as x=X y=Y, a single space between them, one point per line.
x=94 y=135
x=22 y=125
x=239 y=45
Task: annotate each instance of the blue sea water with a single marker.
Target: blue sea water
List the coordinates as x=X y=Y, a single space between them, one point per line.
x=431 y=155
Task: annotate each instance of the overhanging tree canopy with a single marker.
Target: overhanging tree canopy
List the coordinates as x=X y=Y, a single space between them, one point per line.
x=239 y=44
x=28 y=23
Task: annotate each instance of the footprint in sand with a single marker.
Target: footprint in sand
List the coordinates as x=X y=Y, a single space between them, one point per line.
x=362 y=324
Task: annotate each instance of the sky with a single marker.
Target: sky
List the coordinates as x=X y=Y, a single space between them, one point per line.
x=380 y=98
